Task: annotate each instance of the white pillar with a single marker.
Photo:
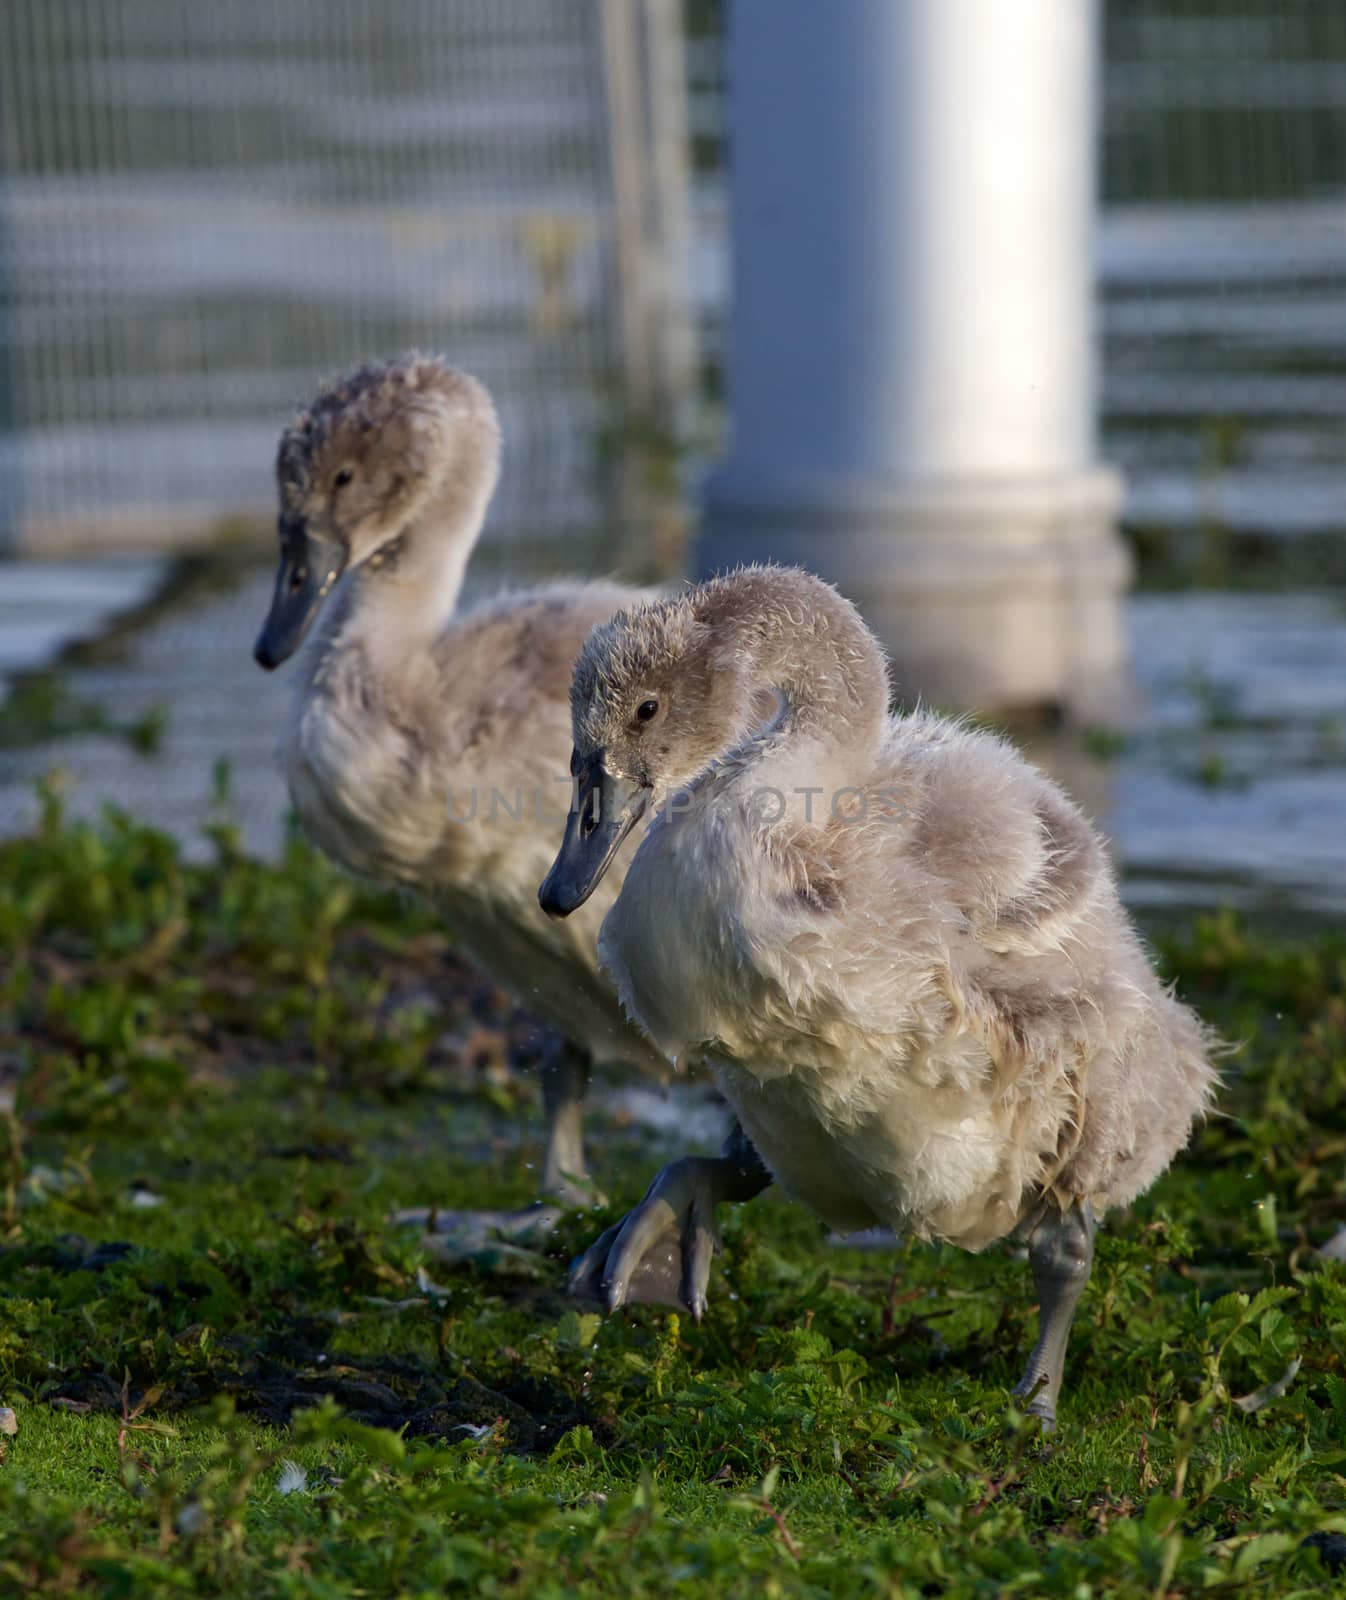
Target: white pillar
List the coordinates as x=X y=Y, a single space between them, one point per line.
x=911 y=363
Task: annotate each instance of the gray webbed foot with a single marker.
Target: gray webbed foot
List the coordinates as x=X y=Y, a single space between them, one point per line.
x=459 y=1235
x=661 y=1251
x=1061 y=1253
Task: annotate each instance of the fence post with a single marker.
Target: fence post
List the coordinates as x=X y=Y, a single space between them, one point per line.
x=912 y=364
x=645 y=79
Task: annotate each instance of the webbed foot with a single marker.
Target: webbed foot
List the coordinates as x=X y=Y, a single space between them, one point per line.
x=457 y=1235
x=661 y=1251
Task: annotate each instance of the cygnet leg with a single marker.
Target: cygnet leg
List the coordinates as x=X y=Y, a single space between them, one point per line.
x=1061 y=1253
x=565 y=1082
x=459 y=1235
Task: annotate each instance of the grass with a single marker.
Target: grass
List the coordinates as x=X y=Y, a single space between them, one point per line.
x=42 y=706
x=232 y=1375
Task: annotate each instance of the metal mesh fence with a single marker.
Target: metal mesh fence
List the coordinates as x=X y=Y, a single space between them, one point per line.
x=204 y=207
x=1223 y=262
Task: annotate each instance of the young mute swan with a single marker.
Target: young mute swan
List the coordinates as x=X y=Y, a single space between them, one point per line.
x=898 y=945
x=428 y=747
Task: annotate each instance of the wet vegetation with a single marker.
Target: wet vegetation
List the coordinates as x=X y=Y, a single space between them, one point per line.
x=231 y=1373
x=41 y=706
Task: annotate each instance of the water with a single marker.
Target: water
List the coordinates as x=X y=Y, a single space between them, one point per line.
x=1234 y=789
x=1231 y=790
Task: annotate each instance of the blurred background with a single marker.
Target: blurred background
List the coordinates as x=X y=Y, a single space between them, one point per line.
x=204 y=210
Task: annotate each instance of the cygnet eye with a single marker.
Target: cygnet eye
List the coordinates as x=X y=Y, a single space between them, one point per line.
x=647 y=709
x=342 y=478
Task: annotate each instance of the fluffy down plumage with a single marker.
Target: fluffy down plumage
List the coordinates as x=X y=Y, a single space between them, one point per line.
x=898 y=945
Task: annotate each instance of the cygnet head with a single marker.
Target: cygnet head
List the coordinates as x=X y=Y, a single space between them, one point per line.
x=356 y=469
x=658 y=693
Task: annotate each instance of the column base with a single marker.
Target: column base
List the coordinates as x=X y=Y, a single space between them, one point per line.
x=989 y=595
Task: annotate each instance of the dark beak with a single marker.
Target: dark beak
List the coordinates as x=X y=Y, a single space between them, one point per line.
x=604 y=812
x=309 y=566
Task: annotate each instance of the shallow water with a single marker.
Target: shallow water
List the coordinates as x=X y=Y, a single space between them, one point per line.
x=1233 y=789
x=1230 y=791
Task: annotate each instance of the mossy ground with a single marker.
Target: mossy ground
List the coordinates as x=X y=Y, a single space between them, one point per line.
x=232 y=1375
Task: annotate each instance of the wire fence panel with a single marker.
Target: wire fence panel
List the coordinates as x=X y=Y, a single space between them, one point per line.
x=205 y=207
x=1224 y=100
x=1223 y=261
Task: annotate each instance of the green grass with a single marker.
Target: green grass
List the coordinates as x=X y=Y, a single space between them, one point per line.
x=41 y=707
x=232 y=1375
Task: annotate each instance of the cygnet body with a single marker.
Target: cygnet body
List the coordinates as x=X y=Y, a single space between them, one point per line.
x=898 y=945
x=428 y=747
